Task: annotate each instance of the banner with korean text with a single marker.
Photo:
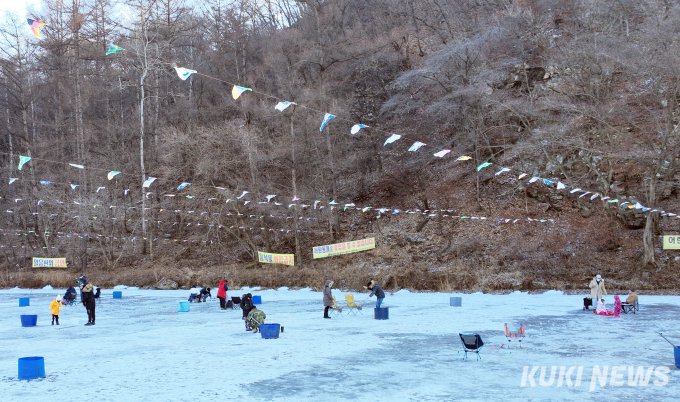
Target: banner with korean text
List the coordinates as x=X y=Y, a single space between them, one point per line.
x=269 y=258
x=671 y=242
x=49 y=262
x=344 y=248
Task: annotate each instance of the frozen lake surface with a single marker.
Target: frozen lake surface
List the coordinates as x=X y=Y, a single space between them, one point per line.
x=143 y=349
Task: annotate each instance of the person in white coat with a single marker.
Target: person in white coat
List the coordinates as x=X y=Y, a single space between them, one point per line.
x=597 y=288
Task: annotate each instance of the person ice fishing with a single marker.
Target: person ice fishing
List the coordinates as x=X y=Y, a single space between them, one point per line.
x=89 y=302
x=70 y=295
x=632 y=297
x=327 y=298
x=193 y=293
x=55 y=306
x=203 y=294
x=222 y=294
x=377 y=291
x=255 y=319
x=246 y=306
x=597 y=288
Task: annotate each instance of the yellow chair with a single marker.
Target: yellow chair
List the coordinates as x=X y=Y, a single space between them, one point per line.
x=353 y=307
x=335 y=310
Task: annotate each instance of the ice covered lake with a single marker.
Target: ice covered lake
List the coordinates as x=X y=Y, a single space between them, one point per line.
x=143 y=349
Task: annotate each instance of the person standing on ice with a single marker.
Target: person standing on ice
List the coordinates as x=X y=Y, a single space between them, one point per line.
x=89 y=302
x=617 y=306
x=377 y=291
x=55 y=306
x=597 y=288
x=327 y=298
x=246 y=306
x=222 y=294
x=82 y=281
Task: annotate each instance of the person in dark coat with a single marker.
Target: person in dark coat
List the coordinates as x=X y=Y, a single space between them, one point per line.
x=377 y=291
x=82 y=281
x=327 y=298
x=246 y=306
x=222 y=294
x=70 y=295
x=89 y=302
x=204 y=294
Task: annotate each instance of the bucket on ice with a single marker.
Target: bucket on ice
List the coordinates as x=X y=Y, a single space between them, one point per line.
x=456 y=301
x=270 y=331
x=24 y=301
x=117 y=295
x=677 y=356
x=183 y=306
x=31 y=368
x=382 y=313
x=29 y=320
x=257 y=299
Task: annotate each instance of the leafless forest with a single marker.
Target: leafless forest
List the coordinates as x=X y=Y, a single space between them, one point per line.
x=581 y=92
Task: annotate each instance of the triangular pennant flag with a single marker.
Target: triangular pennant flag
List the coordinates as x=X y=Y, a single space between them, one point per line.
x=35 y=27
x=463 y=158
x=348 y=205
x=12 y=180
x=355 y=128
x=296 y=199
x=502 y=171
x=112 y=174
x=44 y=183
x=269 y=197
x=77 y=166
x=441 y=154
x=548 y=182
x=237 y=91
x=333 y=203
x=584 y=194
x=241 y=196
x=523 y=175
x=100 y=188
x=181 y=186
x=533 y=179
x=638 y=205
x=281 y=106
x=575 y=190
x=416 y=145
x=392 y=138
x=113 y=48
x=184 y=73
x=22 y=160
x=73 y=186
x=593 y=197
x=483 y=165
x=326 y=119
x=615 y=200
x=148 y=182
x=561 y=185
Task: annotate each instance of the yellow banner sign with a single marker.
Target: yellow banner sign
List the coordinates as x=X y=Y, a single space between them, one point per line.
x=671 y=242
x=269 y=258
x=344 y=248
x=49 y=262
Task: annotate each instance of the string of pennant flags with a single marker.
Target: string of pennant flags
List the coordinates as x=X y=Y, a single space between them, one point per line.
x=237 y=91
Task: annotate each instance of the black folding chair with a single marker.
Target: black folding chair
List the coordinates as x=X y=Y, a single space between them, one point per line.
x=236 y=301
x=630 y=308
x=587 y=302
x=471 y=343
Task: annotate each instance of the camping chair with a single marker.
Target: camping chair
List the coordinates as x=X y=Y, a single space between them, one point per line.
x=471 y=343
x=629 y=308
x=520 y=333
x=353 y=306
x=236 y=303
x=335 y=310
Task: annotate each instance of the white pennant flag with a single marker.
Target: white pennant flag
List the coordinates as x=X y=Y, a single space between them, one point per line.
x=184 y=73
x=281 y=106
x=355 y=128
x=392 y=138
x=502 y=171
x=148 y=182
x=561 y=185
x=441 y=154
x=416 y=145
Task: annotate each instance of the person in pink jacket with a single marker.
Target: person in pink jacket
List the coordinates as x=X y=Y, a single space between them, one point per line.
x=617 y=306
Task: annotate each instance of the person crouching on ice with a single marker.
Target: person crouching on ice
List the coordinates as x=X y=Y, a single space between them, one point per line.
x=255 y=319
x=55 y=306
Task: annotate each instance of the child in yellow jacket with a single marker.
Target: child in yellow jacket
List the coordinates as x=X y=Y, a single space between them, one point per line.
x=55 y=306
